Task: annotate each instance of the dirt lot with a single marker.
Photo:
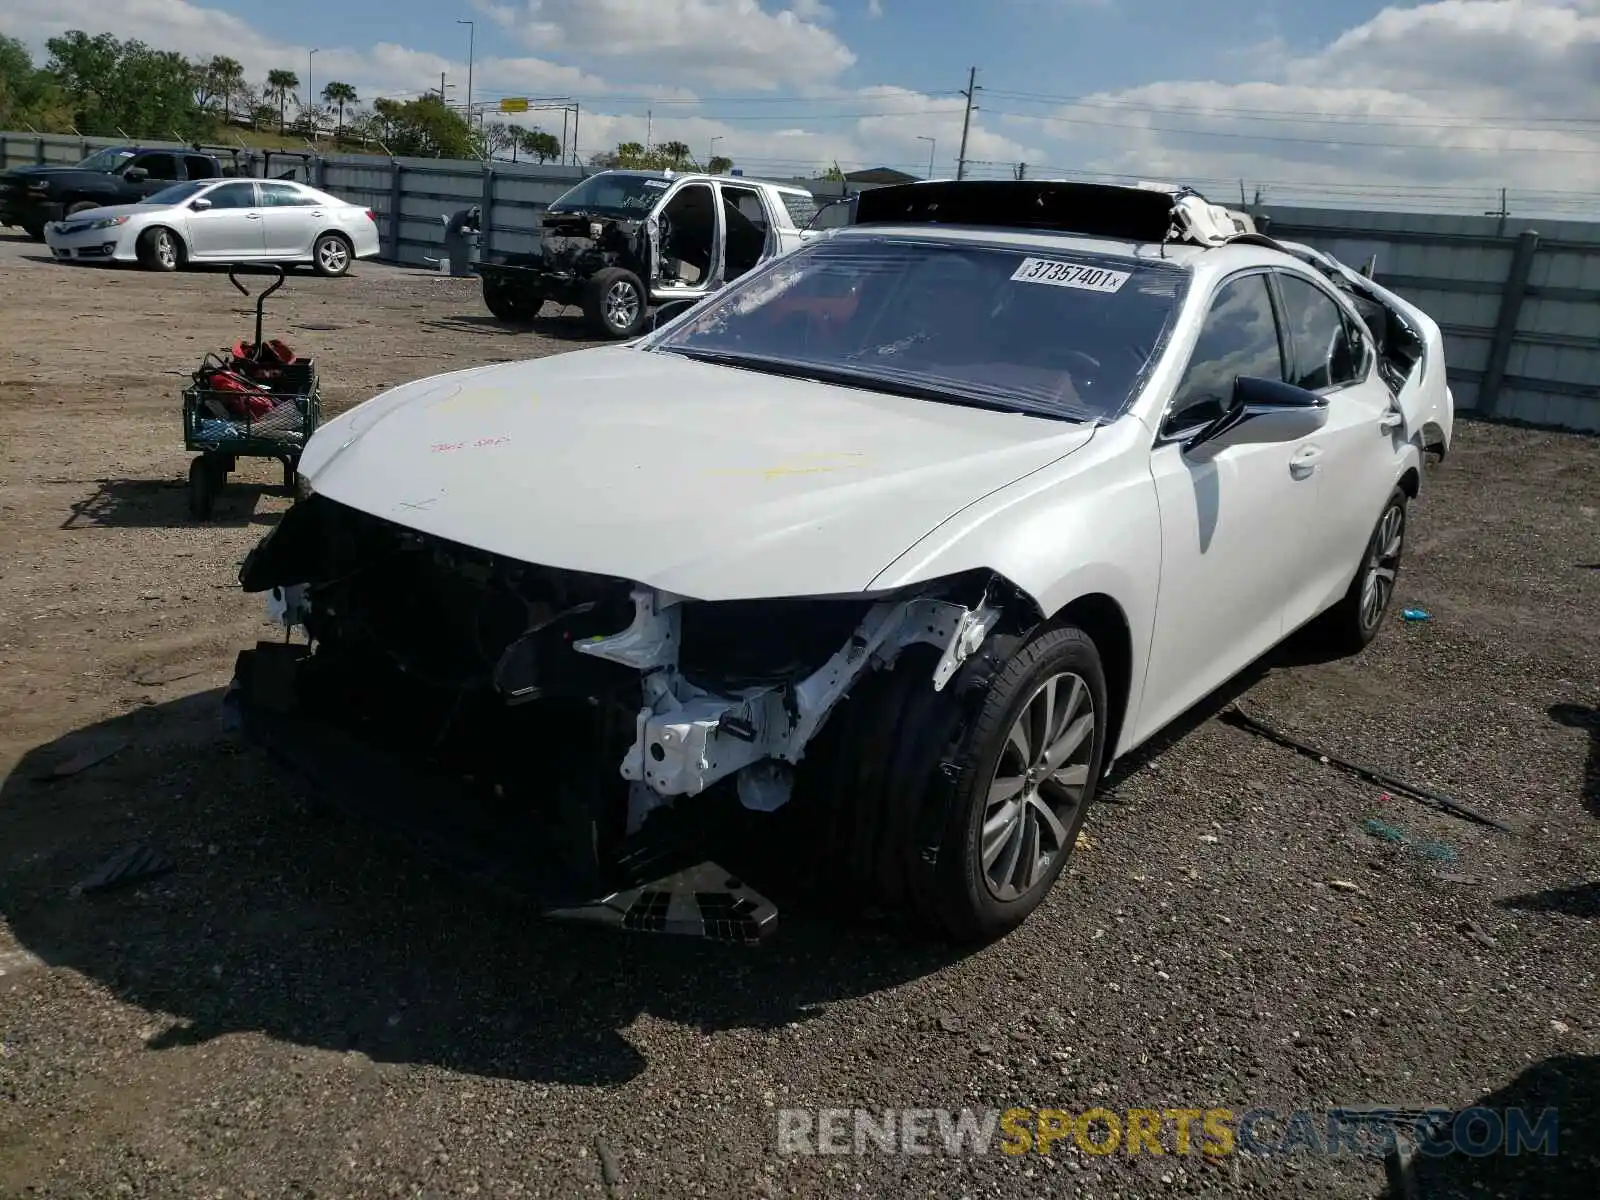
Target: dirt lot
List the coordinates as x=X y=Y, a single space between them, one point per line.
x=299 y=1009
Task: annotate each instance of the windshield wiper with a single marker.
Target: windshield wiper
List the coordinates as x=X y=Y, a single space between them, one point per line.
x=873 y=381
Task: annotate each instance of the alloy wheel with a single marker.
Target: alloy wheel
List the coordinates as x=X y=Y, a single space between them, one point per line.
x=332 y=255
x=1383 y=563
x=1038 y=787
x=166 y=252
x=621 y=306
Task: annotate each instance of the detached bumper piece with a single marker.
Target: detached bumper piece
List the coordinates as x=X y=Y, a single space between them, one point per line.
x=701 y=901
x=654 y=883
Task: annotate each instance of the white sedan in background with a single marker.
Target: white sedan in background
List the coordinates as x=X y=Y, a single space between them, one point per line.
x=222 y=220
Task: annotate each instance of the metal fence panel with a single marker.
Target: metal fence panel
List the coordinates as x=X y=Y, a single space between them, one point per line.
x=1518 y=300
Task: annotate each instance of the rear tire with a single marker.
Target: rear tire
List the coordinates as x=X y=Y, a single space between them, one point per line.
x=332 y=254
x=615 y=304
x=160 y=250
x=1350 y=625
x=510 y=305
x=36 y=232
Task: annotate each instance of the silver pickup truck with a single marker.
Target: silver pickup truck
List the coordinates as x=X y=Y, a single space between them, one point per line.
x=622 y=242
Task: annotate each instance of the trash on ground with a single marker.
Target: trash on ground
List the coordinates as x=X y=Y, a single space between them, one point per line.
x=1344 y=885
x=1416 y=614
x=1477 y=933
x=1438 y=851
x=85 y=758
x=132 y=864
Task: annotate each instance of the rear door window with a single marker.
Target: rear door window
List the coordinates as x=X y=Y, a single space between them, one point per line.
x=1320 y=336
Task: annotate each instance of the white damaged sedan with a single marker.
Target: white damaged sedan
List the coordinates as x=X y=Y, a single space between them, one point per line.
x=221 y=221
x=904 y=537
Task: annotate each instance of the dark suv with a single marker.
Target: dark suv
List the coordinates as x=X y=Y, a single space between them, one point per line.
x=31 y=197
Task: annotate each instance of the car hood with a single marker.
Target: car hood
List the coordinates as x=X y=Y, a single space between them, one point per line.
x=113 y=210
x=713 y=482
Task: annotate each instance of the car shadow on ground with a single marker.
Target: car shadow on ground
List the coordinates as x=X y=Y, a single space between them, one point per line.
x=1587 y=718
x=164 y=504
x=1570 y=1084
x=1302 y=649
x=316 y=932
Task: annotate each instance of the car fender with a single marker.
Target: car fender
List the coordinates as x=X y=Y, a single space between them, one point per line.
x=1085 y=525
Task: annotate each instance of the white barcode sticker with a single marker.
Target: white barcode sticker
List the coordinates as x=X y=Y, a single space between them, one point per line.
x=1072 y=275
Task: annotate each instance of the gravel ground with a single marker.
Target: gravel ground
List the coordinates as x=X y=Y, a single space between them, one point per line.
x=299 y=1009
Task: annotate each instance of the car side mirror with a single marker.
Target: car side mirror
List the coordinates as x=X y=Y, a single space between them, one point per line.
x=670 y=312
x=199 y=204
x=136 y=174
x=1261 y=410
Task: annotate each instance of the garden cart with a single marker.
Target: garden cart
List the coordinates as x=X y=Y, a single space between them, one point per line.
x=257 y=399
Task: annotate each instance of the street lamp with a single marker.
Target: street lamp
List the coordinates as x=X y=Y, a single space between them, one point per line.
x=310 y=94
x=932 y=145
x=472 y=37
x=711 y=151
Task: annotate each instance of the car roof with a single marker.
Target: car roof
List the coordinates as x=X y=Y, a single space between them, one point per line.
x=1026 y=239
x=642 y=173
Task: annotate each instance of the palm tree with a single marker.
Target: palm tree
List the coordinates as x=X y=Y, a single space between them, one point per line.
x=280 y=86
x=227 y=77
x=674 y=152
x=339 y=94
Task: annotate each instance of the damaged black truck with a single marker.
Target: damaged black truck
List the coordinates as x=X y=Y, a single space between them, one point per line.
x=623 y=242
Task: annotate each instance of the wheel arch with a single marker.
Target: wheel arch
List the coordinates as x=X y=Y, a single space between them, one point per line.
x=176 y=234
x=1100 y=616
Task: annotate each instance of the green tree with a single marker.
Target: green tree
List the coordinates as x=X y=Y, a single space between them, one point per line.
x=719 y=165
x=28 y=96
x=629 y=154
x=126 y=88
x=673 y=152
x=539 y=145
x=226 y=78
x=337 y=95
x=833 y=174
x=280 y=86
x=424 y=128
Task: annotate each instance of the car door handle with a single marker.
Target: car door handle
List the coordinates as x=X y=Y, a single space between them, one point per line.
x=1389 y=422
x=252 y=216
x=1305 y=462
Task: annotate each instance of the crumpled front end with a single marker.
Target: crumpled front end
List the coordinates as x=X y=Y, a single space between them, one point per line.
x=572 y=248
x=575 y=721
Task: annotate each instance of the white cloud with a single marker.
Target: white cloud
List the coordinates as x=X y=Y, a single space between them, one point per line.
x=736 y=43
x=1449 y=95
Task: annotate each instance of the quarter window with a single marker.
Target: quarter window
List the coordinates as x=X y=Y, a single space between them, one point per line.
x=1239 y=337
x=285 y=195
x=1324 y=354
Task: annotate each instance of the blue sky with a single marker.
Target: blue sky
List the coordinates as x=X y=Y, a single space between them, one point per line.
x=1438 y=102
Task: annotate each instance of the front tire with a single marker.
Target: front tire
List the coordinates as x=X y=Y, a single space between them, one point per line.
x=160 y=250
x=615 y=303
x=1029 y=764
x=81 y=206
x=331 y=255
x=943 y=804
x=1349 y=626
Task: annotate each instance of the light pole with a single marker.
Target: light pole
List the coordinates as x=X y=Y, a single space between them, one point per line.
x=933 y=144
x=711 y=151
x=472 y=37
x=310 y=95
